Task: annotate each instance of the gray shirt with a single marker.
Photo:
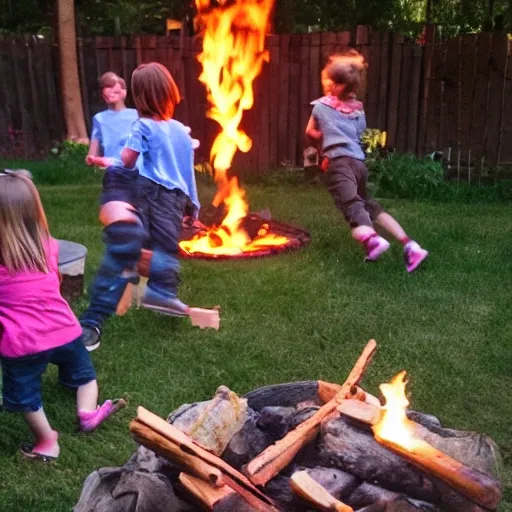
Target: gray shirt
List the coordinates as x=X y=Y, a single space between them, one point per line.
x=341 y=132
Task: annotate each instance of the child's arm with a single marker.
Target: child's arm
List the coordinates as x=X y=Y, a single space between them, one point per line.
x=95 y=144
x=312 y=131
x=135 y=144
x=129 y=157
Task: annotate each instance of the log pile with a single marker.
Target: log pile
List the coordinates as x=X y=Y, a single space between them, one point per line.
x=310 y=446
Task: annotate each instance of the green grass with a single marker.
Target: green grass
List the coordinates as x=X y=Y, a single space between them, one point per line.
x=303 y=315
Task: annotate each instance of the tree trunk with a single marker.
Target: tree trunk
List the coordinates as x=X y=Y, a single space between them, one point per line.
x=70 y=83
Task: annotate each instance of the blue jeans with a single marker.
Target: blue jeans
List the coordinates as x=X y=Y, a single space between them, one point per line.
x=123 y=244
x=162 y=214
x=21 y=376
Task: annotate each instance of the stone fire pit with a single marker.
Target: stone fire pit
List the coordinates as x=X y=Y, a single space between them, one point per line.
x=343 y=457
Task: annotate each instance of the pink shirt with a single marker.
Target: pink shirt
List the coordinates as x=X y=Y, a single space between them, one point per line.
x=33 y=315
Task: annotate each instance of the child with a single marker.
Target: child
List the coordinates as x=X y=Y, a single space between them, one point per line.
x=337 y=122
x=37 y=326
x=123 y=233
x=166 y=186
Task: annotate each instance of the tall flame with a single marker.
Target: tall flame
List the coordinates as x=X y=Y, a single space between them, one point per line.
x=394 y=425
x=232 y=57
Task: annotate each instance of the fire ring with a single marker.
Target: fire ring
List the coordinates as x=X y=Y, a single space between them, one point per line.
x=297 y=238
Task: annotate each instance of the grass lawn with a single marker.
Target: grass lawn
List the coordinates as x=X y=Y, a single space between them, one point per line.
x=304 y=315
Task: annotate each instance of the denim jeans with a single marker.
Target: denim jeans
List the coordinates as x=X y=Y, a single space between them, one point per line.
x=123 y=244
x=162 y=214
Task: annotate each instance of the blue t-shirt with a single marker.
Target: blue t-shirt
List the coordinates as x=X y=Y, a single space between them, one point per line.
x=341 y=132
x=167 y=154
x=111 y=128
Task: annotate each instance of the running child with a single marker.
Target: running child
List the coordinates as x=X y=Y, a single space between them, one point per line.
x=166 y=185
x=37 y=327
x=336 y=124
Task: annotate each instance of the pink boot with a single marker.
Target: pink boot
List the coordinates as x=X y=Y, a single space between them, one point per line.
x=373 y=244
x=91 y=420
x=413 y=255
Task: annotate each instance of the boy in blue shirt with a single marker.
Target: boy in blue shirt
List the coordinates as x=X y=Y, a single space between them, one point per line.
x=166 y=185
x=123 y=233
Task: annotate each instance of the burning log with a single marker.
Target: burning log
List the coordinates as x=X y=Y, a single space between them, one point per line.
x=396 y=432
x=276 y=457
x=307 y=488
x=237 y=481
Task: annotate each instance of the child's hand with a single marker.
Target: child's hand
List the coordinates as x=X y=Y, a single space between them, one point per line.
x=100 y=161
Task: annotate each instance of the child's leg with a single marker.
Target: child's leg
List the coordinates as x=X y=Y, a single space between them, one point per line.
x=391 y=225
x=46 y=438
x=76 y=371
x=123 y=244
x=165 y=216
x=22 y=393
x=347 y=187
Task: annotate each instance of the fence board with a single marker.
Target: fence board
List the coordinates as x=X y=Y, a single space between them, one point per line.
x=294 y=134
x=394 y=88
x=403 y=102
x=414 y=99
x=284 y=56
x=305 y=96
x=382 y=114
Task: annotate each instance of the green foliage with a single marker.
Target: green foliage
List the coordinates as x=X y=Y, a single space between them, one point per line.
x=71 y=153
x=406 y=176
x=66 y=168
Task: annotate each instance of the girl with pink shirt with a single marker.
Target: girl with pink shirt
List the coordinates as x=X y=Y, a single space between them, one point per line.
x=37 y=327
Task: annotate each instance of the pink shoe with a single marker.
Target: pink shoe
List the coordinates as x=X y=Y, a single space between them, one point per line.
x=91 y=420
x=375 y=247
x=413 y=255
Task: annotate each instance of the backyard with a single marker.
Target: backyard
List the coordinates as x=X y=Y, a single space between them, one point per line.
x=300 y=316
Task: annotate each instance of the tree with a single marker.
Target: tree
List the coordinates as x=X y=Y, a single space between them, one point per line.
x=70 y=83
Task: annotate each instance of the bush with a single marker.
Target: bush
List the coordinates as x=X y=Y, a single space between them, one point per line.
x=406 y=176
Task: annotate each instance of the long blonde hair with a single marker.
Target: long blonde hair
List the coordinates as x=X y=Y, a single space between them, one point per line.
x=23 y=225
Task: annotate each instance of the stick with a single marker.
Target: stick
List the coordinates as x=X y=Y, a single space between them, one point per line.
x=307 y=488
x=327 y=391
x=205 y=493
x=476 y=485
x=159 y=444
x=231 y=476
x=277 y=456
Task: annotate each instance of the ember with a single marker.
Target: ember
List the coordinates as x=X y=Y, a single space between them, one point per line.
x=299 y=446
x=232 y=57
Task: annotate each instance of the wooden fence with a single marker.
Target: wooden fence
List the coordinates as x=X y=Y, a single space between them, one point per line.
x=451 y=95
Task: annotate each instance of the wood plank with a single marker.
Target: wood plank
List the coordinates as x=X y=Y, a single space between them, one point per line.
x=262 y=106
x=404 y=100
x=373 y=84
x=498 y=63
x=481 y=101
x=284 y=100
x=394 y=88
x=148 y=48
x=362 y=42
x=83 y=85
x=305 y=98
x=42 y=139
x=425 y=86
x=274 y=66
x=294 y=130
x=505 y=150
x=382 y=113
x=414 y=100
x=467 y=64
x=315 y=66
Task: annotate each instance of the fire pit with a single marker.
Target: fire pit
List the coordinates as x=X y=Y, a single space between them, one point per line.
x=265 y=237
x=297 y=447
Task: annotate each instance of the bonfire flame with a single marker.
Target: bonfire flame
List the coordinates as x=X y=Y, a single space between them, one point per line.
x=394 y=425
x=232 y=57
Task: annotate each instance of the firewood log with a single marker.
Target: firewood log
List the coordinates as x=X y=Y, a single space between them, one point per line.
x=327 y=391
x=230 y=475
x=360 y=411
x=307 y=488
x=162 y=446
x=277 y=456
x=207 y=494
